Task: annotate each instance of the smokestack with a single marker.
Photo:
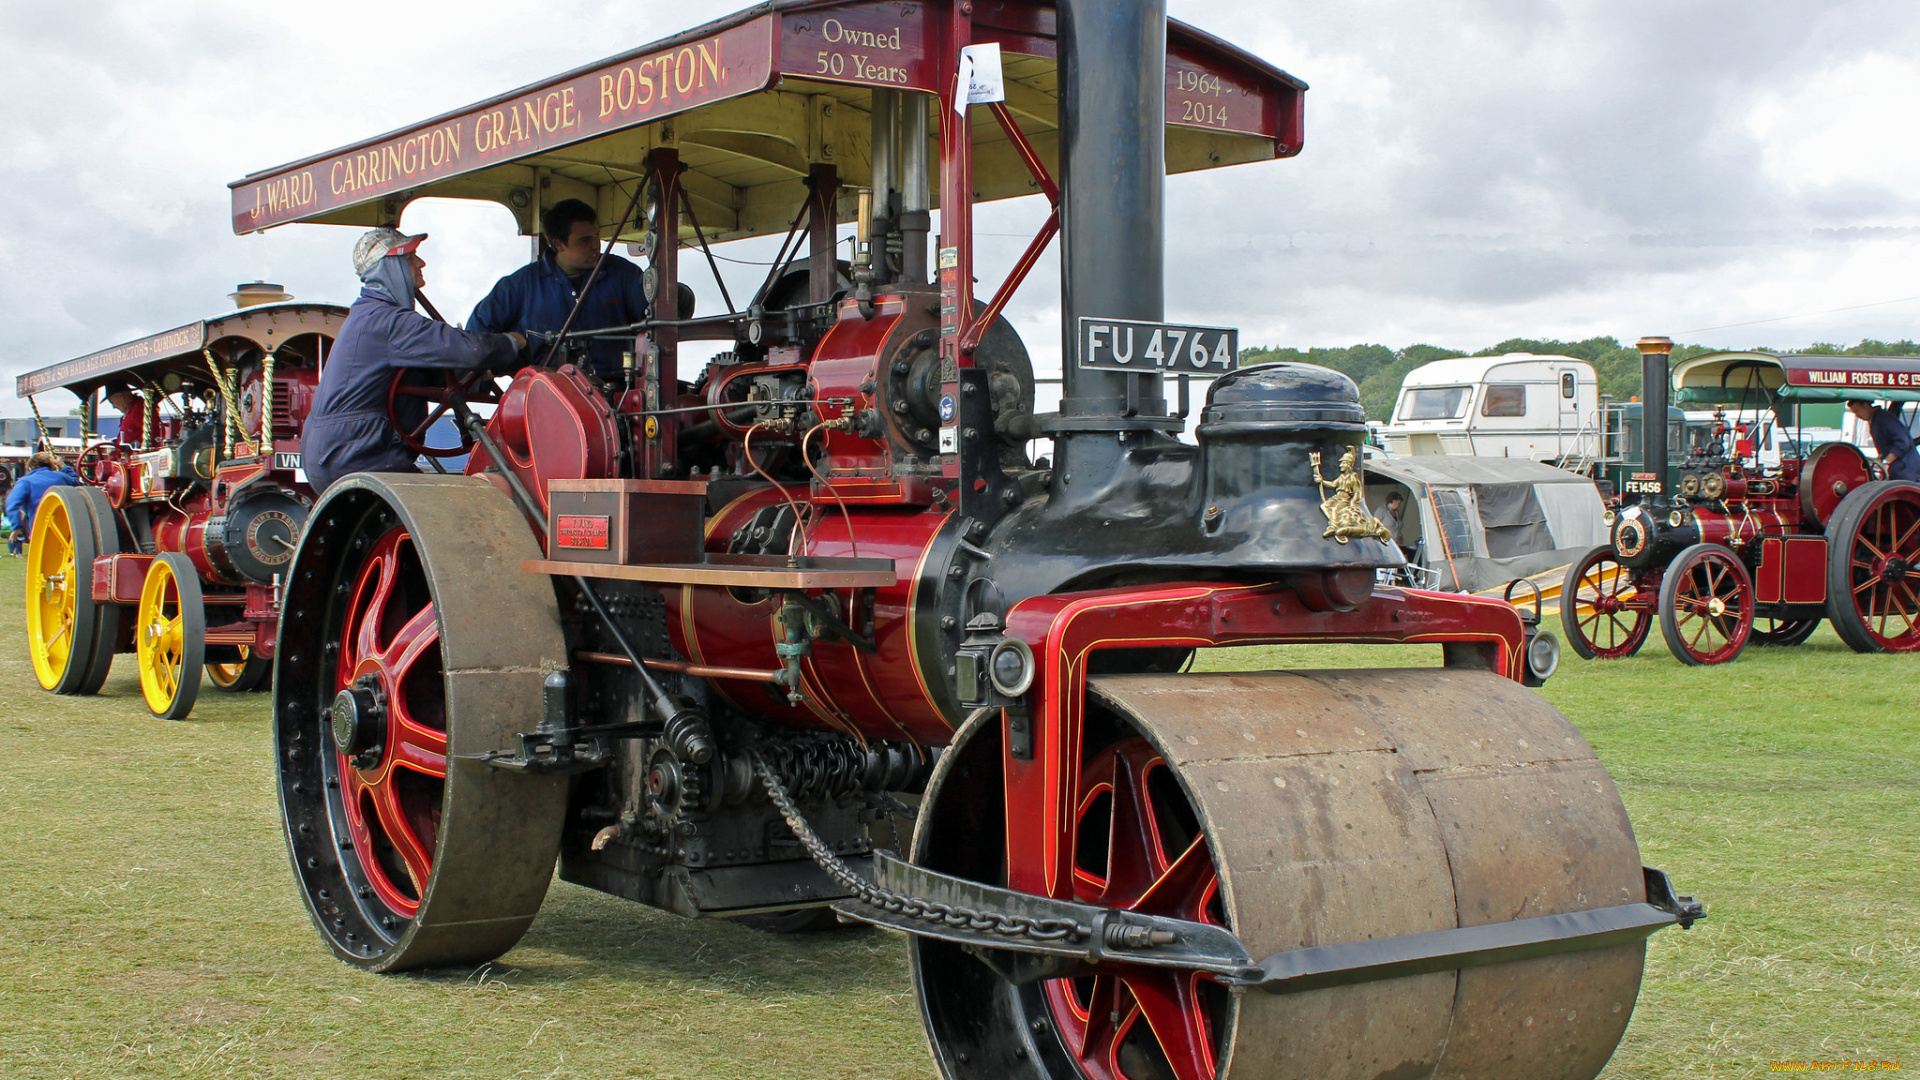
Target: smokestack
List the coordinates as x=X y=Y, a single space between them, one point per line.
x=1654 y=370
x=253 y=293
x=1113 y=63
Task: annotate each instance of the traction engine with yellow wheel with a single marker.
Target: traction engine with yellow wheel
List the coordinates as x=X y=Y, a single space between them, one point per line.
x=175 y=544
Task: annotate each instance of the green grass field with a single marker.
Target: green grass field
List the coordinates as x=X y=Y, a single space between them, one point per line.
x=149 y=925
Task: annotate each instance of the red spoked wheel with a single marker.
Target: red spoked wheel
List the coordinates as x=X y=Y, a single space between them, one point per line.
x=1603 y=608
x=1706 y=605
x=1873 y=568
x=389 y=722
x=397 y=669
x=1140 y=848
x=471 y=387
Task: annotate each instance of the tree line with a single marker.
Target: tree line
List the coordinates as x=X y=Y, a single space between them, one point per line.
x=1379 y=370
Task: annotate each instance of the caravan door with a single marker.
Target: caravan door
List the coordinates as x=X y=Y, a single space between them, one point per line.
x=1567 y=393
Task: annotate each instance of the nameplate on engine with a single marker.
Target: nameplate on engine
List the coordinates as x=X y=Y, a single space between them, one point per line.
x=582 y=532
x=1644 y=484
x=1168 y=348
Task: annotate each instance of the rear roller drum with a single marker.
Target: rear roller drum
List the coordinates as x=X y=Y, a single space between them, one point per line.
x=1873 y=567
x=1706 y=605
x=170 y=636
x=411 y=644
x=1298 y=810
x=1596 y=611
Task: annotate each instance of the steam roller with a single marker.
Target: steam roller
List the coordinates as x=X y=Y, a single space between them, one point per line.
x=710 y=640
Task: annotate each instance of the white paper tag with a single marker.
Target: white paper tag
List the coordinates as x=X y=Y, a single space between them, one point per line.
x=981 y=74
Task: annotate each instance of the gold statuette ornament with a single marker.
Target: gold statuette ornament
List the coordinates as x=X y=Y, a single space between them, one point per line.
x=1346 y=505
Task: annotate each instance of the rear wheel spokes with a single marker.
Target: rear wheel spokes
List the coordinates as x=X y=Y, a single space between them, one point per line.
x=394 y=787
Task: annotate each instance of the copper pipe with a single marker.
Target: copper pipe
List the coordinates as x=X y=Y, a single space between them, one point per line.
x=684 y=668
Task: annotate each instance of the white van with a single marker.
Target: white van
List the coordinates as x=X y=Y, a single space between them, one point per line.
x=1540 y=408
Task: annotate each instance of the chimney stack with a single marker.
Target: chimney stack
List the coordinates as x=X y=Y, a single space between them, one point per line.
x=253 y=293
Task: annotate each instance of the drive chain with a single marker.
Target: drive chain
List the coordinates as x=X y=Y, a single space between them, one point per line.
x=913 y=907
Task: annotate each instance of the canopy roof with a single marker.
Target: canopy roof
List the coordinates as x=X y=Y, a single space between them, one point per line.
x=1755 y=378
x=750 y=102
x=1455 y=469
x=267 y=326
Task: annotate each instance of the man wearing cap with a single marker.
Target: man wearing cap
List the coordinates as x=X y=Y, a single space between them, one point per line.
x=132 y=410
x=348 y=429
x=1891 y=439
x=538 y=297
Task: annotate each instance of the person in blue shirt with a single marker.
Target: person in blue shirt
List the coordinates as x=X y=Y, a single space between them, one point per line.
x=537 y=297
x=348 y=429
x=1891 y=439
x=44 y=474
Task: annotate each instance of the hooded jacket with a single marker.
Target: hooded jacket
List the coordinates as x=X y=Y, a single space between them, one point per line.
x=25 y=496
x=348 y=429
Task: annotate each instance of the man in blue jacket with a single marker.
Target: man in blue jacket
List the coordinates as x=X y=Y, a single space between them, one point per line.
x=25 y=497
x=537 y=297
x=1891 y=439
x=348 y=429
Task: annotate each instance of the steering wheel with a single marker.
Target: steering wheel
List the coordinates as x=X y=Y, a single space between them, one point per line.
x=96 y=454
x=470 y=387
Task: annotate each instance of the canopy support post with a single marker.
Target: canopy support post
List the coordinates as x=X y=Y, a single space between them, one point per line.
x=885 y=154
x=823 y=219
x=916 y=195
x=662 y=381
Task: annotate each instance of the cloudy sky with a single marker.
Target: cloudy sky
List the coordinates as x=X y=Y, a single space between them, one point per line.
x=1728 y=172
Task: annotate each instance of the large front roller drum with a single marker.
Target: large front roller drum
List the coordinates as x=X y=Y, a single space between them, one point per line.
x=1303 y=809
x=411 y=643
x=1873 y=567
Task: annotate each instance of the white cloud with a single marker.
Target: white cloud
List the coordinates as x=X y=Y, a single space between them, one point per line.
x=1850 y=124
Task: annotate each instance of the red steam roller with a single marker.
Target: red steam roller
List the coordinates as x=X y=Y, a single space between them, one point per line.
x=701 y=632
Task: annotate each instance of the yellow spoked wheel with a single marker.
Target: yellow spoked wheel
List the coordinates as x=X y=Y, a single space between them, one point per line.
x=239 y=676
x=171 y=636
x=62 y=619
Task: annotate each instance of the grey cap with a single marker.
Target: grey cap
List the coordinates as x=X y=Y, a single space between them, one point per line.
x=377 y=244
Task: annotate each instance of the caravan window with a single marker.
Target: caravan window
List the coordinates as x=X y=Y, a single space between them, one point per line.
x=1567 y=385
x=1435 y=403
x=1505 y=401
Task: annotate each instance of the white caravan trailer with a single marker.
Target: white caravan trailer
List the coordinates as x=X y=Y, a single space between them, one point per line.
x=1538 y=408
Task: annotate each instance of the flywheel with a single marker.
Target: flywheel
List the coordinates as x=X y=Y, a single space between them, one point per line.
x=1301 y=809
x=410 y=644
